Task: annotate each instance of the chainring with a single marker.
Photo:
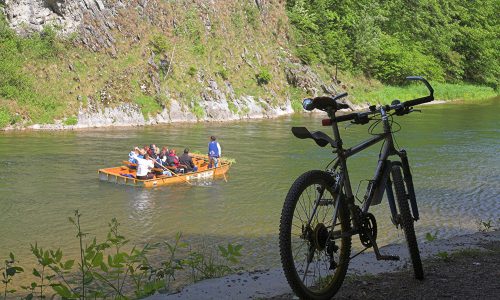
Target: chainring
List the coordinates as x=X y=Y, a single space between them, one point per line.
x=368 y=225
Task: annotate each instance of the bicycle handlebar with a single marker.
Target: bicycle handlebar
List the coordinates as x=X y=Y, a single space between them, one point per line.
x=427 y=84
x=401 y=108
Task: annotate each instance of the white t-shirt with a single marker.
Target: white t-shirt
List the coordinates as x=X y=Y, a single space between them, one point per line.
x=143 y=166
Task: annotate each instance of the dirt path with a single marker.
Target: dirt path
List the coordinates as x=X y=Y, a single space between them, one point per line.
x=467 y=274
x=471 y=273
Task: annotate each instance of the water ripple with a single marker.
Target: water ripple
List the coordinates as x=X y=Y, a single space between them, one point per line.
x=455 y=167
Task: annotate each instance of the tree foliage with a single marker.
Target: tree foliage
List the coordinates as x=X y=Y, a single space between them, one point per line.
x=447 y=41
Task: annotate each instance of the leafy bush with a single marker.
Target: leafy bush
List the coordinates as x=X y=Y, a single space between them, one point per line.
x=396 y=62
x=197 y=110
x=252 y=14
x=232 y=107
x=264 y=76
x=15 y=83
x=159 y=43
x=73 y=120
x=223 y=73
x=148 y=105
x=5 y=117
x=105 y=270
x=192 y=71
x=456 y=41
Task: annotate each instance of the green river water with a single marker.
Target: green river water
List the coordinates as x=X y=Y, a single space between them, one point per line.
x=44 y=176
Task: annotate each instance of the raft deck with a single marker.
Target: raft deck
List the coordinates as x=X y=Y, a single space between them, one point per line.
x=118 y=174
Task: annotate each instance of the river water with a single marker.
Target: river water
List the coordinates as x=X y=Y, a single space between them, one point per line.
x=45 y=176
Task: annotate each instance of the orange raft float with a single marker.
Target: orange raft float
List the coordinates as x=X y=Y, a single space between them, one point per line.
x=121 y=175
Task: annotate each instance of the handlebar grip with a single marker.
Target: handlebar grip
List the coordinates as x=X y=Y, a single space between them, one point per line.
x=342 y=106
x=427 y=84
x=346 y=117
x=418 y=101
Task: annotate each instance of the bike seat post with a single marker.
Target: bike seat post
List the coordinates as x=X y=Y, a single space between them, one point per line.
x=342 y=159
x=335 y=127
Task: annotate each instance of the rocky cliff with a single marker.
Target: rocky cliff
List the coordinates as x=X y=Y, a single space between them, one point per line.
x=141 y=62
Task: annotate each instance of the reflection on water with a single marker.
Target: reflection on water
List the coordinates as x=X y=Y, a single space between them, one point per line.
x=45 y=176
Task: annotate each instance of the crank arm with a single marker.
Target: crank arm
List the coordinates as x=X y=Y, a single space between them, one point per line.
x=378 y=255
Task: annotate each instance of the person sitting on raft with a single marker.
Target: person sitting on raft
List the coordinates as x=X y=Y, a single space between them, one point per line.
x=131 y=155
x=144 y=166
x=163 y=156
x=187 y=162
x=173 y=161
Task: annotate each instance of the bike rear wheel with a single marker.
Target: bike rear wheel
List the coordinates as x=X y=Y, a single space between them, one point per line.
x=315 y=255
x=406 y=222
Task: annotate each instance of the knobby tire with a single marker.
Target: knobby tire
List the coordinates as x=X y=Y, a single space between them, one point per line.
x=295 y=203
x=406 y=222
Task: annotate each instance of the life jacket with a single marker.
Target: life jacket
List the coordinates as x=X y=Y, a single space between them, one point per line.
x=213 y=150
x=173 y=160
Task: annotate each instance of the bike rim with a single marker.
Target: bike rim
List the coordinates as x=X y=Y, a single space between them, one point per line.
x=315 y=251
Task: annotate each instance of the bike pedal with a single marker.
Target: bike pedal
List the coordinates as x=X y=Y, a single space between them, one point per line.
x=387 y=257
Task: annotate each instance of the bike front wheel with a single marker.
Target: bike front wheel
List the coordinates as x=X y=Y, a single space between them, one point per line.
x=313 y=238
x=406 y=222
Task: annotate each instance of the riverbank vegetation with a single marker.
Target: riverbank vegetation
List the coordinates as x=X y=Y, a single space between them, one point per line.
x=113 y=269
x=384 y=94
x=243 y=48
x=445 y=41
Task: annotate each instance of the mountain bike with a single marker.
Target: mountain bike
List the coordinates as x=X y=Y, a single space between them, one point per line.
x=320 y=215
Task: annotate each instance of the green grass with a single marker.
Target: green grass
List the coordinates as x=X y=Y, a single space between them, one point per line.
x=442 y=91
x=5 y=117
x=73 y=120
x=232 y=107
x=197 y=110
x=296 y=97
x=37 y=85
x=148 y=104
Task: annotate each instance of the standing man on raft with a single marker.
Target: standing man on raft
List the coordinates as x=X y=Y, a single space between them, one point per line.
x=214 y=152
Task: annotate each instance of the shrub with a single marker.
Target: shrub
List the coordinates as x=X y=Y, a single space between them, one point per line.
x=252 y=14
x=222 y=73
x=148 y=105
x=398 y=61
x=159 y=44
x=197 y=110
x=105 y=270
x=73 y=120
x=5 y=117
x=264 y=76
x=192 y=71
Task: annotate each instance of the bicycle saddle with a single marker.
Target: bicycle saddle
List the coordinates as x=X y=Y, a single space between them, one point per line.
x=324 y=103
x=321 y=138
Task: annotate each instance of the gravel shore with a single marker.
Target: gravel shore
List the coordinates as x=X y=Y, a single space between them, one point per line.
x=469 y=272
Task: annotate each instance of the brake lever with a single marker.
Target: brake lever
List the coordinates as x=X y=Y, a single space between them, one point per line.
x=348 y=124
x=414 y=110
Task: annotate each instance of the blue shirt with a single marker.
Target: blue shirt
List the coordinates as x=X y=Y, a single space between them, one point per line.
x=214 y=149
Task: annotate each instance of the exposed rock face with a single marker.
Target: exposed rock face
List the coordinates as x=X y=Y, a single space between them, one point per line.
x=95 y=21
x=303 y=77
x=127 y=114
x=90 y=19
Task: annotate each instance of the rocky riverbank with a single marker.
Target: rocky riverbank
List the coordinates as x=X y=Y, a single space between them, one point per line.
x=98 y=63
x=129 y=114
x=131 y=63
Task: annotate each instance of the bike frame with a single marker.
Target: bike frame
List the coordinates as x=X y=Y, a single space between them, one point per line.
x=380 y=181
